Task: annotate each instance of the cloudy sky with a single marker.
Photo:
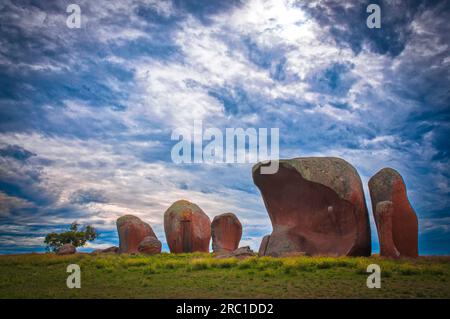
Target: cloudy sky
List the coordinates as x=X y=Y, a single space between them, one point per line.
x=86 y=115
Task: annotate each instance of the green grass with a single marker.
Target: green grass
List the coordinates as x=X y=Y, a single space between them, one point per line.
x=203 y=276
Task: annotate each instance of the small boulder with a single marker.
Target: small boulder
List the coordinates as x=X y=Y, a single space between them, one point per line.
x=109 y=250
x=150 y=246
x=187 y=228
x=226 y=232
x=132 y=230
x=241 y=252
x=66 y=249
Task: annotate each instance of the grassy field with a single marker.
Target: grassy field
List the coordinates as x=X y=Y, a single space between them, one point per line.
x=203 y=276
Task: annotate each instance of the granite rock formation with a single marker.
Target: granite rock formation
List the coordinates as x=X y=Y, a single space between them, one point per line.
x=132 y=230
x=388 y=186
x=187 y=228
x=316 y=206
x=226 y=231
x=150 y=246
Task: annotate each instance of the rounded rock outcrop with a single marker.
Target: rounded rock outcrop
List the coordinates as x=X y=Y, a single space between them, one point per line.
x=187 y=228
x=132 y=230
x=226 y=232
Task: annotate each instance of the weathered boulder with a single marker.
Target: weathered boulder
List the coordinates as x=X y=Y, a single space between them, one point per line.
x=383 y=219
x=226 y=232
x=316 y=206
x=66 y=249
x=187 y=228
x=132 y=230
x=263 y=245
x=388 y=185
x=109 y=250
x=150 y=246
x=241 y=252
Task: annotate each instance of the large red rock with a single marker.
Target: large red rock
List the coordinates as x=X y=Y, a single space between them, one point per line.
x=388 y=185
x=316 y=206
x=187 y=228
x=226 y=231
x=132 y=230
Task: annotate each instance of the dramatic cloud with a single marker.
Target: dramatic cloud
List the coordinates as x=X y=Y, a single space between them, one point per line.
x=86 y=115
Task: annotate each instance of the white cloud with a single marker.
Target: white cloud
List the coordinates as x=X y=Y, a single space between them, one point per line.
x=9 y=203
x=171 y=91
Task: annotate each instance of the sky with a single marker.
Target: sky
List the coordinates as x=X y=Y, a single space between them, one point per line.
x=86 y=115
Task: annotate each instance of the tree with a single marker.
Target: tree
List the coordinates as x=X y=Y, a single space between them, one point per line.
x=75 y=236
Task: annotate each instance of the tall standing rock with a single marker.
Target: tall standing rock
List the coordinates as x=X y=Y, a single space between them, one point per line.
x=383 y=219
x=226 y=231
x=132 y=230
x=316 y=206
x=388 y=185
x=187 y=228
